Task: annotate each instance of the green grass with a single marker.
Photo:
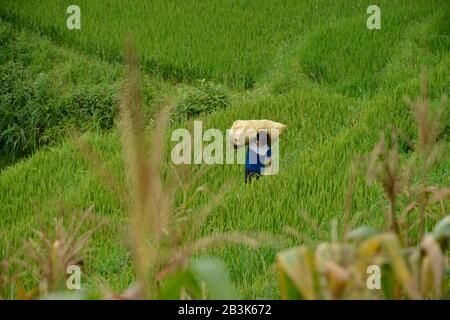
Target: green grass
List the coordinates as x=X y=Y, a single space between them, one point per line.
x=235 y=41
x=317 y=68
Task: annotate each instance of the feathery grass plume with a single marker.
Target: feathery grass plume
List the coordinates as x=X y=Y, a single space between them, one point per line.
x=144 y=186
x=430 y=126
x=54 y=250
x=157 y=228
x=383 y=167
x=430 y=123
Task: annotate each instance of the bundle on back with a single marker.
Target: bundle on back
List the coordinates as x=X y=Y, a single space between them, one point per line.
x=244 y=131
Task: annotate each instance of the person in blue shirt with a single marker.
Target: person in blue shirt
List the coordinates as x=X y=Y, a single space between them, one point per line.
x=258 y=156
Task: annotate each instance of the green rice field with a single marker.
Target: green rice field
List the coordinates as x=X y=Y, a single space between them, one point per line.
x=312 y=65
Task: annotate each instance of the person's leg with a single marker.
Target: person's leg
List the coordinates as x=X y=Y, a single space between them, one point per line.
x=249 y=175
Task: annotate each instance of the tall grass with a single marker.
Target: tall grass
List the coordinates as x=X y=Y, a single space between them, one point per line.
x=157 y=224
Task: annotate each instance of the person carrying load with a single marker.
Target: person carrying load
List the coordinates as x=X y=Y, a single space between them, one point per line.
x=256 y=135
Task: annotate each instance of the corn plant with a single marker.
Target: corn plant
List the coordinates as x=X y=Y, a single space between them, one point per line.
x=340 y=270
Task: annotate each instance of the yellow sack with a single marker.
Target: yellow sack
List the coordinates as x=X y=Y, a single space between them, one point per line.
x=244 y=131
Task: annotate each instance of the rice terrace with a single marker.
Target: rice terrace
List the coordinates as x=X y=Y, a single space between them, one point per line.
x=127 y=131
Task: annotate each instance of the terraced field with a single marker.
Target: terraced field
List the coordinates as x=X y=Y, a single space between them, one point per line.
x=312 y=65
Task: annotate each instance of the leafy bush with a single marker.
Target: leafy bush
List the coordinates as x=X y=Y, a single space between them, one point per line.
x=92 y=107
x=24 y=110
x=206 y=98
x=44 y=92
x=33 y=114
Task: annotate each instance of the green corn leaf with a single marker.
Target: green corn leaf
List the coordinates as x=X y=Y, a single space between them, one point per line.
x=297 y=274
x=442 y=229
x=173 y=284
x=214 y=274
x=361 y=233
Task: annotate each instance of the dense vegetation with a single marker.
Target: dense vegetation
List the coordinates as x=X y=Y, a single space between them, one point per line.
x=311 y=65
x=45 y=90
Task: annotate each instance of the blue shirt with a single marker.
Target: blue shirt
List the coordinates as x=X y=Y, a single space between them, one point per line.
x=254 y=162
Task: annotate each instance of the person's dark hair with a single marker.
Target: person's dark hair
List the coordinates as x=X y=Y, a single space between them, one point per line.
x=263 y=133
